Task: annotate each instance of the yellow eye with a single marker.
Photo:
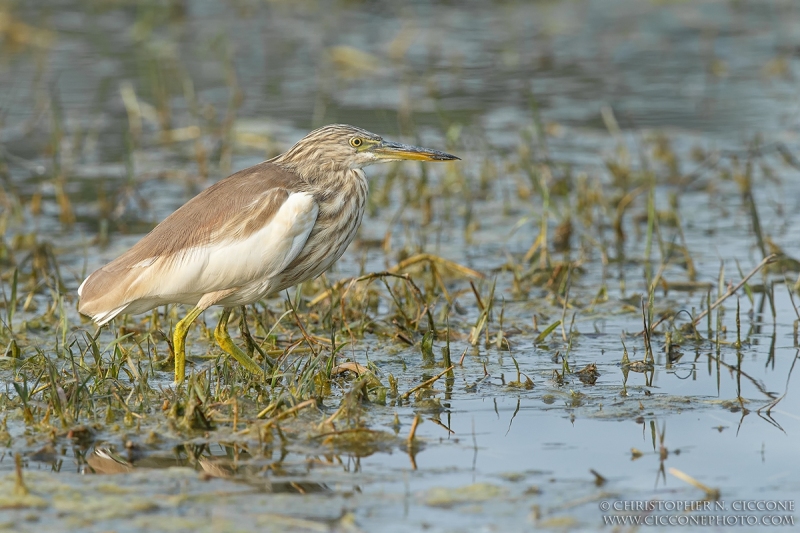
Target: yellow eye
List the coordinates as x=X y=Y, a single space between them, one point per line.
x=355 y=142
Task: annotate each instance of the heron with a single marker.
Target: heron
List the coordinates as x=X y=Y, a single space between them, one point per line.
x=249 y=236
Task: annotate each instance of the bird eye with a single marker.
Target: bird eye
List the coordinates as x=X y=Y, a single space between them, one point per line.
x=355 y=142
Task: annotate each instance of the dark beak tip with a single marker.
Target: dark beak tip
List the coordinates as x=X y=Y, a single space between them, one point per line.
x=446 y=157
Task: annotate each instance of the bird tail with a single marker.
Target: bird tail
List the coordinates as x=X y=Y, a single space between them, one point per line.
x=98 y=297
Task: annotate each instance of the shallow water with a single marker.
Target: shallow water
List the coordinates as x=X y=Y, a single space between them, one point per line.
x=472 y=80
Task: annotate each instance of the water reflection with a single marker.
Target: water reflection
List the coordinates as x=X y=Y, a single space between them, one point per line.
x=214 y=461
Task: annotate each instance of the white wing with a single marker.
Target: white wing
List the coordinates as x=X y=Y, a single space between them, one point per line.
x=246 y=263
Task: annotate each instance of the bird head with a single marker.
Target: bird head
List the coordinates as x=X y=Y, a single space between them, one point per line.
x=343 y=147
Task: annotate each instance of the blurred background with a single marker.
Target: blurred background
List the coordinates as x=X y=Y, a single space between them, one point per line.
x=99 y=99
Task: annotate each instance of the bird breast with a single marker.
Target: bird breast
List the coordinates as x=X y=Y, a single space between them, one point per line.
x=340 y=212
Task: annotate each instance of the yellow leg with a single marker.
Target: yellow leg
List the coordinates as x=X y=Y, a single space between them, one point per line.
x=179 y=343
x=225 y=342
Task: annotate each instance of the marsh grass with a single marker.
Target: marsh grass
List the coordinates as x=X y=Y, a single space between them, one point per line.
x=312 y=349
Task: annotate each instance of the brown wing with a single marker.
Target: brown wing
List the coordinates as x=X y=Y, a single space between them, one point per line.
x=236 y=206
x=239 y=204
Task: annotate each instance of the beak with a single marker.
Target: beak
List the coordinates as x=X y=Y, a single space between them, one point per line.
x=391 y=151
